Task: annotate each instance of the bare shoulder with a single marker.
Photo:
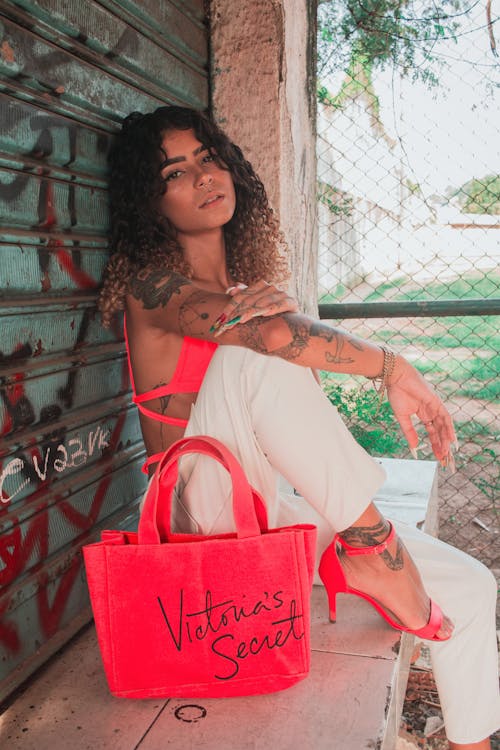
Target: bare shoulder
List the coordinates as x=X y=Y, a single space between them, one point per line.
x=155 y=287
x=170 y=302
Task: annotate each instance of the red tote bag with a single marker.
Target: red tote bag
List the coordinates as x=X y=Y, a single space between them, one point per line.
x=185 y=615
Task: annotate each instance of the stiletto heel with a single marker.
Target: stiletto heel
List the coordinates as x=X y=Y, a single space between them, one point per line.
x=333 y=577
x=332 y=605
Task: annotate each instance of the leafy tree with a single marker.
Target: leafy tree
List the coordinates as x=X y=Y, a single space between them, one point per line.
x=402 y=33
x=480 y=196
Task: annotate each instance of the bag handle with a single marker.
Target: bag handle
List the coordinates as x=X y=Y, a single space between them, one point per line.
x=154 y=523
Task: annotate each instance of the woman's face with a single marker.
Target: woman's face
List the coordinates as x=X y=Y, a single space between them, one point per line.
x=200 y=194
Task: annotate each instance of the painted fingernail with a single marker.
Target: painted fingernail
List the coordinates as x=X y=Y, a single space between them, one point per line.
x=220 y=320
x=414 y=453
x=223 y=328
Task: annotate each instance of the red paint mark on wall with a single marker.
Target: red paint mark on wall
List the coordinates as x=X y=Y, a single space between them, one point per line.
x=50 y=219
x=50 y=616
x=11 y=559
x=46 y=282
x=15 y=552
x=82 y=279
x=7 y=52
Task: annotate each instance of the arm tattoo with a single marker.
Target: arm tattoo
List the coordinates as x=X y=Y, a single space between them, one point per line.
x=154 y=288
x=193 y=314
x=336 y=358
x=334 y=337
x=251 y=336
x=303 y=332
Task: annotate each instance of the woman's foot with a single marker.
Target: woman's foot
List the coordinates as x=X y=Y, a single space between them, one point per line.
x=390 y=577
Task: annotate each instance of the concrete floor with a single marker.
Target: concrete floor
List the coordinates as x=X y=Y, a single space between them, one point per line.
x=340 y=705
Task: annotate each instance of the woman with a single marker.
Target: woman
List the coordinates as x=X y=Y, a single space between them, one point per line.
x=215 y=349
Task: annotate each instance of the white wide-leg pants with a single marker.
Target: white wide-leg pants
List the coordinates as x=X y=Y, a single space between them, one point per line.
x=277 y=421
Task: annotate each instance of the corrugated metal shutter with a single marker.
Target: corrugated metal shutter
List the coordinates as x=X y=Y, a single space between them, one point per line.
x=71 y=448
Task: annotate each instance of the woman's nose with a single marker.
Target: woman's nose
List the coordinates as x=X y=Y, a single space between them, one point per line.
x=204 y=179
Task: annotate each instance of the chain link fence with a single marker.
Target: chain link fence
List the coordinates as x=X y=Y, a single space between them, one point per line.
x=409 y=211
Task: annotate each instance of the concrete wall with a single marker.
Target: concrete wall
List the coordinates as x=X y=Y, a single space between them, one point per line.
x=264 y=95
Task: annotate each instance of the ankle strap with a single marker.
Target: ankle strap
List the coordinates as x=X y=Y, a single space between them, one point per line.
x=376 y=549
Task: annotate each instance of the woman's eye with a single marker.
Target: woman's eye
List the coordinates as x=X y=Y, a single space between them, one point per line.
x=173 y=175
x=208 y=158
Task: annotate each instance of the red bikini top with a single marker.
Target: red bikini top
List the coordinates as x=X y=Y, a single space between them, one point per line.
x=188 y=376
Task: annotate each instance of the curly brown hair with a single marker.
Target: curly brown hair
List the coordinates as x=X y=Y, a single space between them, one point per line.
x=141 y=237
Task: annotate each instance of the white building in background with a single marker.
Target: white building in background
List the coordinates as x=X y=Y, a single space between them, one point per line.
x=360 y=166
x=375 y=222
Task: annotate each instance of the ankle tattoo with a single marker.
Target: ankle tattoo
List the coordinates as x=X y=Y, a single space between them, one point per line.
x=395 y=562
x=369 y=536
x=366 y=536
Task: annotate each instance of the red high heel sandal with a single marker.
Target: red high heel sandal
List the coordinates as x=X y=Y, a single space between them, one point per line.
x=333 y=577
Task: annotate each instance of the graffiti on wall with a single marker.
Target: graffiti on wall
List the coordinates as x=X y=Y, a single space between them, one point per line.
x=60 y=99
x=28 y=477
x=41 y=464
x=23 y=546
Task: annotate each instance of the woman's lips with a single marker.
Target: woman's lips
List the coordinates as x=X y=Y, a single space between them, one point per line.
x=212 y=200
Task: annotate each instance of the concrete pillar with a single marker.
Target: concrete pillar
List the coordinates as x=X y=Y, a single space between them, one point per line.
x=264 y=96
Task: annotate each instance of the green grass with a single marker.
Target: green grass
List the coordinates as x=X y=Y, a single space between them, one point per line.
x=469 y=286
x=380 y=293
x=473 y=332
x=473 y=431
x=334 y=296
x=475 y=377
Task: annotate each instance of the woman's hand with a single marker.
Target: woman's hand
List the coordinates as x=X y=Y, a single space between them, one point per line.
x=246 y=302
x=410 y=394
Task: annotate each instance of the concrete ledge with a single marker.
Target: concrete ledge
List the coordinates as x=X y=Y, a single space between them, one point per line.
x=352 y=699
x=410 y=493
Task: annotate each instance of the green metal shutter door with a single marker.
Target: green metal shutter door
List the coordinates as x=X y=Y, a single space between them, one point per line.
x=71 y=447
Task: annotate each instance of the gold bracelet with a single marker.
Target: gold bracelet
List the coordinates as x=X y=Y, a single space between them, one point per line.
x=380 y=381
